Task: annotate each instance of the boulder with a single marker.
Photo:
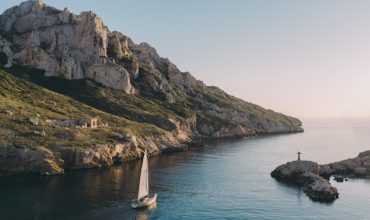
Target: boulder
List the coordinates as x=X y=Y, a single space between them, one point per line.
x=8 y=112
x=339 y=178
x=358 y=166
x=34 y=121
x=321 y=190
x=40 y=133
x=294 y=171
x=305 y=173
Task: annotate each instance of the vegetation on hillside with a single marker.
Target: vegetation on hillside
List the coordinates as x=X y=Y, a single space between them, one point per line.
x=26 y=100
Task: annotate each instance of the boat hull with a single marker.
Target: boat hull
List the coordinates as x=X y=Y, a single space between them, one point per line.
x=145 y=202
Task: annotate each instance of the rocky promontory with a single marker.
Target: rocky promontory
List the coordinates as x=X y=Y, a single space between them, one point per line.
x=314 y=177
x=59 y=66
x=352 y=167
x=305 y=173
x=45 y=44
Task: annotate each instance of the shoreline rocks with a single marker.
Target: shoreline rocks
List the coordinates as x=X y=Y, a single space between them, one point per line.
x=314 y=177
x=39 y=41
x=305 y=173
x=100 y=68
x=352 y=167
x=16 y=160
x=22 y=160
x=319 y=189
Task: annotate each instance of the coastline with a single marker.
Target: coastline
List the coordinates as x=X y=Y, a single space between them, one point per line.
x=315 y=177
x=22 y=161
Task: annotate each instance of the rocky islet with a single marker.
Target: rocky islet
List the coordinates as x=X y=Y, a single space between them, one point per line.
x=314 y=177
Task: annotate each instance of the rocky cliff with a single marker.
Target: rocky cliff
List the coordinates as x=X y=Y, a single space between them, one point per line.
x=62 y=44
x=78 y=57
x=33 y=138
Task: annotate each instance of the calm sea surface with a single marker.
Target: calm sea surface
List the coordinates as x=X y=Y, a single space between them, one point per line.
x=225 y=180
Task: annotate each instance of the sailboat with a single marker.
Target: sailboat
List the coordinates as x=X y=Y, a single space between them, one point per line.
x=143 y=198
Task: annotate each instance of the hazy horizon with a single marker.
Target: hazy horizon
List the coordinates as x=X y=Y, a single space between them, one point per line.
x=302 y=58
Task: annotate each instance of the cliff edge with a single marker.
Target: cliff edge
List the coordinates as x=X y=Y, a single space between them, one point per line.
x=77 y=58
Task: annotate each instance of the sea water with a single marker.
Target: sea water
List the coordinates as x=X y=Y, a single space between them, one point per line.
x=223 y=180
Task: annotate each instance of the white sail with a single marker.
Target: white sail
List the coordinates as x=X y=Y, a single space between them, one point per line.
x=144 y=181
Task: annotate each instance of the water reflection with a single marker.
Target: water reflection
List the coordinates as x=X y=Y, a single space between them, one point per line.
x=224 y=180
x=143 y=213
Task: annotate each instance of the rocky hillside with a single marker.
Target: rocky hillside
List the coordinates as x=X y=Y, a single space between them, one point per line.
x=33 y=138
x=95 y=71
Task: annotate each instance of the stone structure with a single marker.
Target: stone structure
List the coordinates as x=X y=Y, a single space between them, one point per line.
x=91 y=122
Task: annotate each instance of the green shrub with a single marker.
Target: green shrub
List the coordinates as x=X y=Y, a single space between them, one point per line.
x=3 y=58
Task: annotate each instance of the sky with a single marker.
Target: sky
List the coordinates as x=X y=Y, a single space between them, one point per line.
x=308 y=58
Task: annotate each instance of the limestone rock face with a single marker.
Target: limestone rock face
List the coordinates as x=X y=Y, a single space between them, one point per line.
x=19 y=160
x=107 y=155
x=183 y=80
x=118 y=45
x=110 y=75
x=22 y=160
x=81 y=46
x=62 y=44
x=6 y=52
x=71 y=46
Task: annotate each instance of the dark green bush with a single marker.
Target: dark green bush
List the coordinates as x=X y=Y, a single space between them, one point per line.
x=3 y=58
